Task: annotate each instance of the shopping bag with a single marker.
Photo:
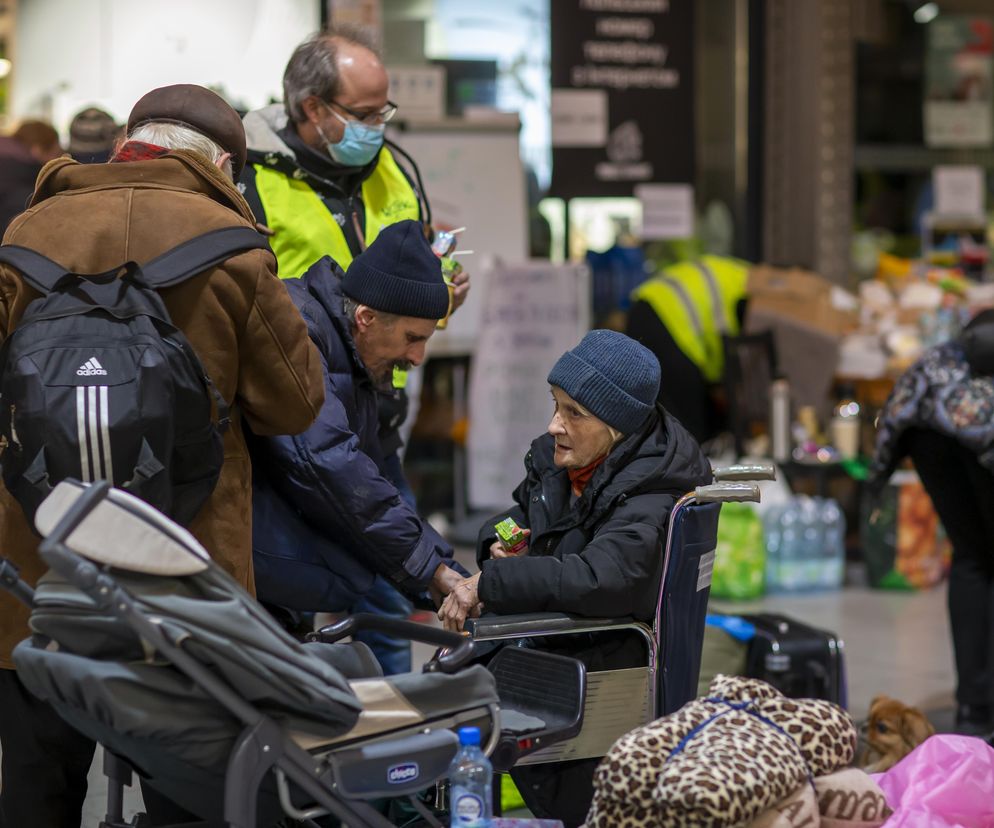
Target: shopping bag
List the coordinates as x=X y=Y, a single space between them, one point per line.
x=740 y=556
x=945 y=782
x=904 y=545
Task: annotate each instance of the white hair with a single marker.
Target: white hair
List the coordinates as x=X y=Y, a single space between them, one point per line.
x=171 y=135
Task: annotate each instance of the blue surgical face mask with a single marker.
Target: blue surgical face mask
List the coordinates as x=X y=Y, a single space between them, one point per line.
x=359 y=143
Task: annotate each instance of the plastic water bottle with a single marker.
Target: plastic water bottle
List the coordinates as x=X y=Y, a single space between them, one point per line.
x=773 y=540
x=470 y=781
x=791 y=552
x=811 y=544
x=833 y=545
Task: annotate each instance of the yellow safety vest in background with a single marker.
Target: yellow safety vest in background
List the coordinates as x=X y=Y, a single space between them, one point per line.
x=696 y=301
x=304 y=229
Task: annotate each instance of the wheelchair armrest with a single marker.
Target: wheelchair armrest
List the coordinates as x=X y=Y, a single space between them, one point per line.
x=489 y=627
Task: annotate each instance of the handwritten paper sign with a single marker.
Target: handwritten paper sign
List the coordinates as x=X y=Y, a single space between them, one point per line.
x=532 y=314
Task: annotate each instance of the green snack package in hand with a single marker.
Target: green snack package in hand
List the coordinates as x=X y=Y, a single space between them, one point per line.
x=512 y=537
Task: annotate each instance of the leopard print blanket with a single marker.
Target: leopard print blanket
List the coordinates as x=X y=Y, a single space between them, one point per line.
x=721 y=760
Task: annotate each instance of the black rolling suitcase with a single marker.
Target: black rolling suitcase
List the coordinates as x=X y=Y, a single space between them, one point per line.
x=802 y=662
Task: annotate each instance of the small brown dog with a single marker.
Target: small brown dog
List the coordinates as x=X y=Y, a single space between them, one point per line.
x=893 y=730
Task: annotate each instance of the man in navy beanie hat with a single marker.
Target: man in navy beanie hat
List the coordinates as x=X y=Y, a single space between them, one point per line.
x=326 y=518
x=397 y=278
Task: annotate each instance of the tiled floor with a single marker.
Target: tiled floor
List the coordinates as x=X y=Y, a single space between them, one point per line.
x=895 y=643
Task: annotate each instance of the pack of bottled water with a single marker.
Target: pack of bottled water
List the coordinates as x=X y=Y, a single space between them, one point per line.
x=805 y=545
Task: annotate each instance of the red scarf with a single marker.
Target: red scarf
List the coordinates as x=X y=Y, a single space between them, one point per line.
x=138 y=151
x=579 y=478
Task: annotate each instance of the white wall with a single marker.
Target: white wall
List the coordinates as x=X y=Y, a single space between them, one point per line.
x=74 y=53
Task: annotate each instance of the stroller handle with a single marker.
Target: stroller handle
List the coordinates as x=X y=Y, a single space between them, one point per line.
x=457 y=649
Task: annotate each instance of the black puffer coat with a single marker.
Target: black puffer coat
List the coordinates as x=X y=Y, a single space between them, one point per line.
x=600 y=556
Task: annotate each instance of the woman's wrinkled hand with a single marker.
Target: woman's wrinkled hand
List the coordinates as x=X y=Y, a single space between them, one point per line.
x=461 y=603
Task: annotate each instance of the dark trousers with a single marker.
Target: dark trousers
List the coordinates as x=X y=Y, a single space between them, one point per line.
x=45 y=762
x=962 y=492
x=560 y=790
x=393 y=653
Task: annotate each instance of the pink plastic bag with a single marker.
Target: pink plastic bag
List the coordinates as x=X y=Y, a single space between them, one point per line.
x=946 y=782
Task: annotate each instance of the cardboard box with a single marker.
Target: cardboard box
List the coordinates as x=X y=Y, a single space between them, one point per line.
x=800 y=296
x=797 y=306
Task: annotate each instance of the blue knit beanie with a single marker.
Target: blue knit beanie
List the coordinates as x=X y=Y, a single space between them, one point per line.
x=398 y=273
x=611 y=375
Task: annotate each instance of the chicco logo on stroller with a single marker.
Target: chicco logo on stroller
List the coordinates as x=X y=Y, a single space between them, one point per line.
x=403 y=773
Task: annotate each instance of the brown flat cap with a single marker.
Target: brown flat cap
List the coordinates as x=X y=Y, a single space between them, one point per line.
x=198 y=108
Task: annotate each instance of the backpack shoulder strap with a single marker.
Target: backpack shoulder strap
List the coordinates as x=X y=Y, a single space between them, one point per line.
x=37 y=270
x=199 y=254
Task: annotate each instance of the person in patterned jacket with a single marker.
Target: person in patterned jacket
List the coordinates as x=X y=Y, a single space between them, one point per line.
x=941 y=415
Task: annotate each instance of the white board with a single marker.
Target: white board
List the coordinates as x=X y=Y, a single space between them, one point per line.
x=532 y=313
x=474 y=179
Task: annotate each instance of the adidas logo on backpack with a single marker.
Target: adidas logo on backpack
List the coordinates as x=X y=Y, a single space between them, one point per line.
x=91 y=368
x=144 y=415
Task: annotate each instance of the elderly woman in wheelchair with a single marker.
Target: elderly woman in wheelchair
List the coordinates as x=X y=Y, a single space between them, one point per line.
x=596 y=499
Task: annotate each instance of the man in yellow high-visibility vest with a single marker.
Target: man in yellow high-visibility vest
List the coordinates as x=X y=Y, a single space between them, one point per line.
x=680 y=314
x=322 y=182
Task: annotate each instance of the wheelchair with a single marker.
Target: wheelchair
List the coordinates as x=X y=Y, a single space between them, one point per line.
x=559 y=711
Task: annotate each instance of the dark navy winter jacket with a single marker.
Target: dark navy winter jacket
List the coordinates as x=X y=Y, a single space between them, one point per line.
x=325 y=519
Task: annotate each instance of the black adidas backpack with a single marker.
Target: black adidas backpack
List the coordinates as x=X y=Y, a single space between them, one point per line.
x=96 y=383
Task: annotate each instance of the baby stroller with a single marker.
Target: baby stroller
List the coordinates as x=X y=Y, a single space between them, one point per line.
x=143 y=644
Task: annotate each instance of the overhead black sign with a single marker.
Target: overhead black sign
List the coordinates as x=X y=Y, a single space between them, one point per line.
x=622 y=95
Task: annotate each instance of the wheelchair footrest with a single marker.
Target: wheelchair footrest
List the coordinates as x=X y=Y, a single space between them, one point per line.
x=518 y=723
x=542 y=697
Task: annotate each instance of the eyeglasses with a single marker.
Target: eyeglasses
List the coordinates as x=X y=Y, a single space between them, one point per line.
x=380 y=116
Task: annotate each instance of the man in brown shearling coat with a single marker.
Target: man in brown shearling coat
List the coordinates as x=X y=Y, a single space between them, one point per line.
x=239 y=319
